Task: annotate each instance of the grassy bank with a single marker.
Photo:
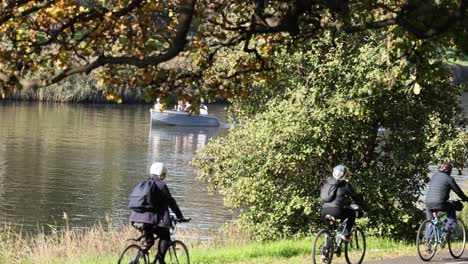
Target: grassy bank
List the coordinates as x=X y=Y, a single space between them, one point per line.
x=103 y=245
x=292 y=251
x=77 y=89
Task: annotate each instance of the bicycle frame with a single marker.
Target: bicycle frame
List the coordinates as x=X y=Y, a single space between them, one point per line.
x=336 y=230
x=134 y=239
x=331 y=241
x=439 y=232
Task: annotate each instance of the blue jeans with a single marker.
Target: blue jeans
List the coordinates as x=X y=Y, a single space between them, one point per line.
x=451 y=214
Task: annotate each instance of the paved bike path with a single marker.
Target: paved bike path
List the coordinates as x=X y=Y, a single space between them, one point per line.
x=440 y=258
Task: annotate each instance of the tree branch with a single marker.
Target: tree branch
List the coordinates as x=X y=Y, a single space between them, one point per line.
x=187 y=10
x=31 y=10
x=451 y=17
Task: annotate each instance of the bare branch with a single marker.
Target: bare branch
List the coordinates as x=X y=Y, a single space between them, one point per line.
x=373 y=25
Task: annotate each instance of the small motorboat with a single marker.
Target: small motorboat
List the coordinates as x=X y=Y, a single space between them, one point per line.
x=182 y=118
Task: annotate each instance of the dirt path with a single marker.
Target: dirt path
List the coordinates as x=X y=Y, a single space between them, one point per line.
x=438 y=258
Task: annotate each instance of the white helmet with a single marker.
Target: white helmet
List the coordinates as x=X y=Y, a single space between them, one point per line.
x=158 y=168
x=340 y=172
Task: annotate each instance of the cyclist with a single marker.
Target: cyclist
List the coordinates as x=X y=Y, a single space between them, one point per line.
x=339 y=206
x=437 y=196
x=158 y=220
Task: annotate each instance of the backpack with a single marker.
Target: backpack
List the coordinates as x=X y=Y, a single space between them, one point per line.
x=144 y=197
x=328 y=192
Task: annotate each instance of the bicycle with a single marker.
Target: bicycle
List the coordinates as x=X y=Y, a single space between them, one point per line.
x=431 y=234
x=138 y=253
x=329 y=241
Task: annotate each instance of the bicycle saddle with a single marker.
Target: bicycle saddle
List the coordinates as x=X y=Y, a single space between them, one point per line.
x=139 y=226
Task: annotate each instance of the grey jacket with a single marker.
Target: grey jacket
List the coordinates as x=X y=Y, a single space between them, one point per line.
x=159 y=216
x=343 y=192
x=439 y=189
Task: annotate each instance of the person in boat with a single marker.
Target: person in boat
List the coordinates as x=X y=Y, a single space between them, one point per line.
x=158 y=106
x=180 y=105
x=203 y=109
x=187 y=106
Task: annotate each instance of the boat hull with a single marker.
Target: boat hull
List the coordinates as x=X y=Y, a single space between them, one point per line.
x=176 y=118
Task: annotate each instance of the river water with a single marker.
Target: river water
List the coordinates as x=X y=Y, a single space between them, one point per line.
x=83 y=160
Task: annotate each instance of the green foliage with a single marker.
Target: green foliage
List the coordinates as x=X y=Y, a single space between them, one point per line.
x=455 y=150
x=334 y=102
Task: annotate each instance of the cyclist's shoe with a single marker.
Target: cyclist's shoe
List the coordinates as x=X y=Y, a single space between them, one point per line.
x=428 y=247
x=346 y=238
x=324 y=258
x=160 y=259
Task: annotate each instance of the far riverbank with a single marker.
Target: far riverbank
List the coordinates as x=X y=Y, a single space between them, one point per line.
x=83 y=89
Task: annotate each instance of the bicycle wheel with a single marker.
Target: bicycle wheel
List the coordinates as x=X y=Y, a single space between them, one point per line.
x=426 y=240
x=457 y=239
x=322 y=247
x=178 y=253
x=356 y=249
x=133 y=254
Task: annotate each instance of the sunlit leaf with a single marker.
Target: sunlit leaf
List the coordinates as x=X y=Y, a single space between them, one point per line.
x=416 y=88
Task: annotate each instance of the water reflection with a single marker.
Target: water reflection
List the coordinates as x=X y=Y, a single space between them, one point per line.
x=175 y=146
x=181 y=139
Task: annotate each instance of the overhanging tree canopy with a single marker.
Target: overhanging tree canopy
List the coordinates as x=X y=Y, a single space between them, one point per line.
x=44 y=42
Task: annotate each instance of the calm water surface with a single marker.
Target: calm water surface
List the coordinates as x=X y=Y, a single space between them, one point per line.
x=84 y=160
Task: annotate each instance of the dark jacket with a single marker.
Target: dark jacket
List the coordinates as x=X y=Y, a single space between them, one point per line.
x=439 y=190
x=160 y=215
x=343 y=192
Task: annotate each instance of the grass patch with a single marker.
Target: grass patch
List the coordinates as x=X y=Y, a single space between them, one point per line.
x=284 y=251
x=278 y=250
x=294 y=251
x=102 y=245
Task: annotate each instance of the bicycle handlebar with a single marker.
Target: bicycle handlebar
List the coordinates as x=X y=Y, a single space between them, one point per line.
x=180 y=220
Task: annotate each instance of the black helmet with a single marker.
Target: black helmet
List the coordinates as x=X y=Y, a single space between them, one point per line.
x=445 y=167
